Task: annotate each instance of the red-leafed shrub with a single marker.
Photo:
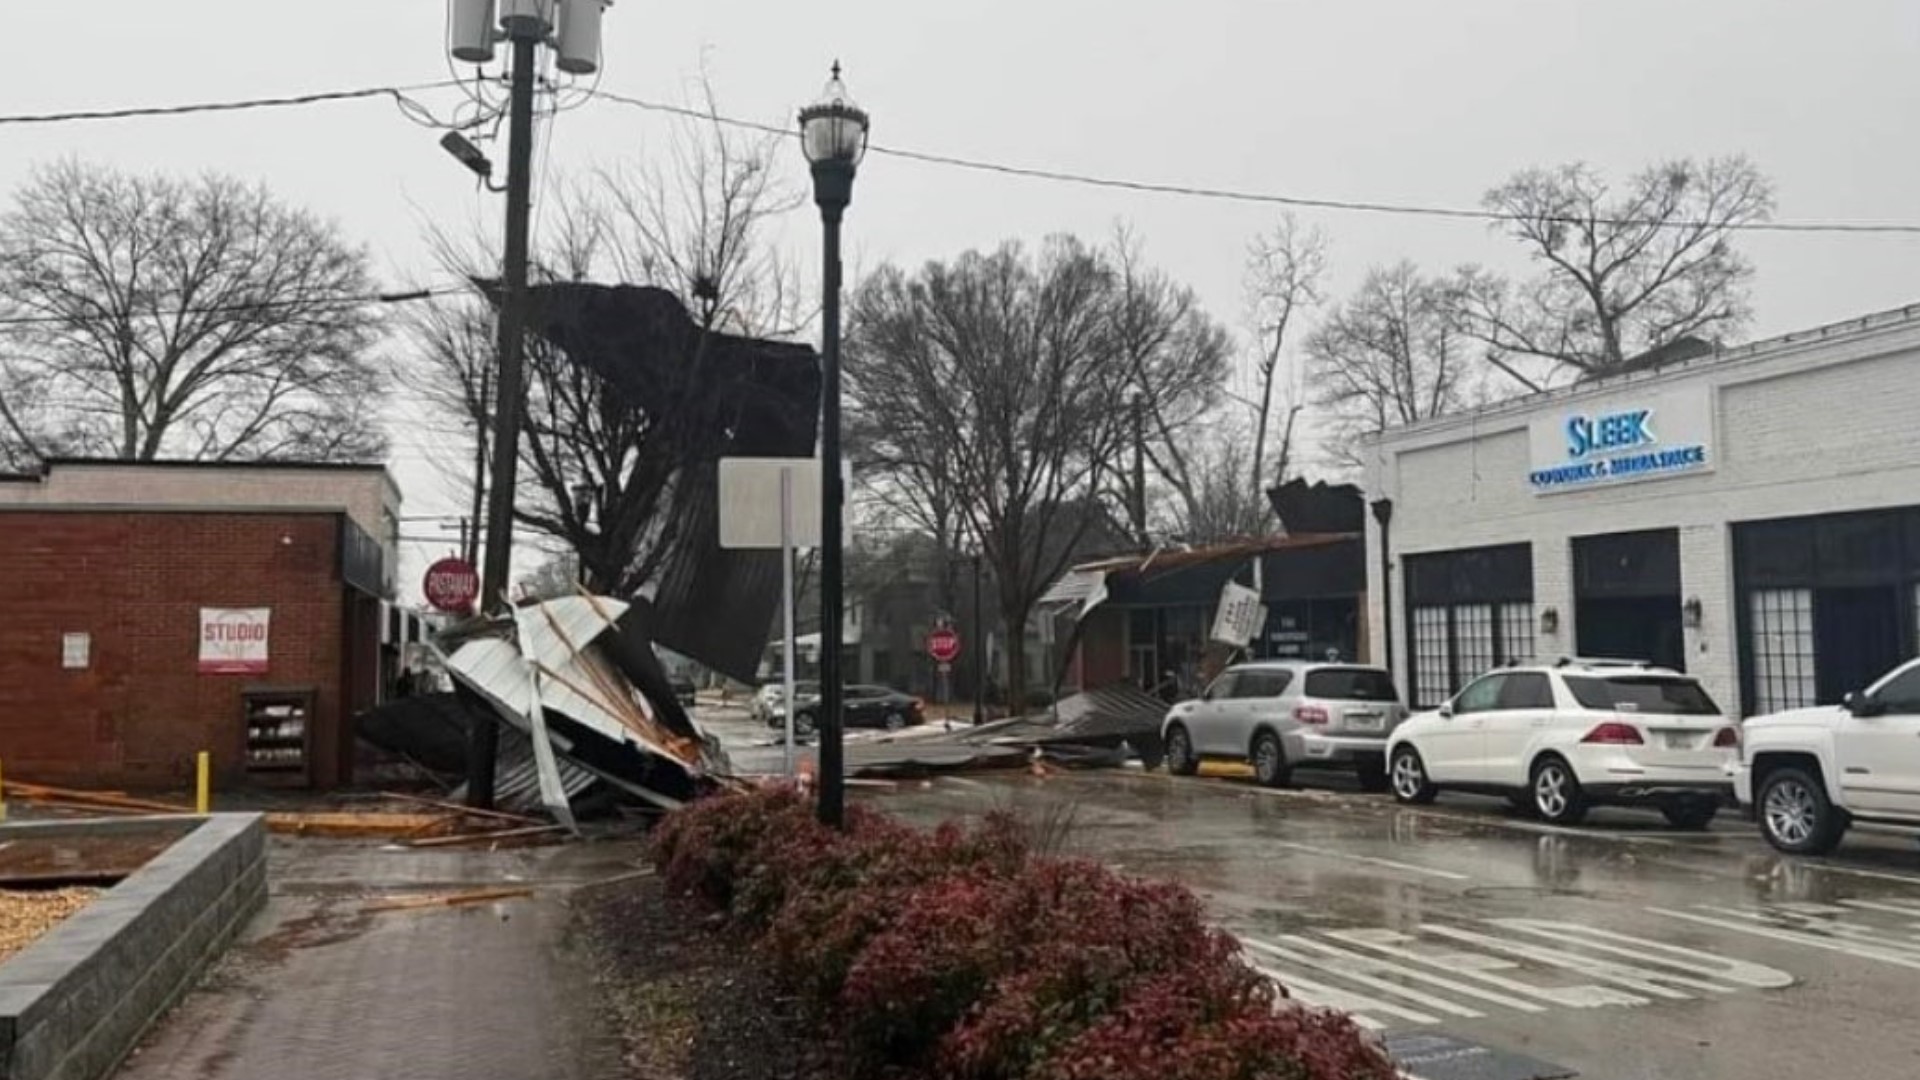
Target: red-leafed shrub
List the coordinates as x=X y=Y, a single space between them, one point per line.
x=959 y=954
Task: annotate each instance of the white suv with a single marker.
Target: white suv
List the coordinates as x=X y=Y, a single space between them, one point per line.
x=1277 y=714
x=1808 y=774
x=1559 y=739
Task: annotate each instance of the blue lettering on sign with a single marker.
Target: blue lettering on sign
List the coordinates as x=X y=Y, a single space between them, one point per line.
x=1647 y=463
x=1613 y=431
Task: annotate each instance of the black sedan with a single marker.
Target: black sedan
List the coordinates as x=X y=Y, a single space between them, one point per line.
x=865 y=706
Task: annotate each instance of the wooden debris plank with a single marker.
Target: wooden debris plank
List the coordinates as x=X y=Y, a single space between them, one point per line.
x=486 y=837
x=350 y=824
x=99 y=798
x=454 y=899
x=467 y=811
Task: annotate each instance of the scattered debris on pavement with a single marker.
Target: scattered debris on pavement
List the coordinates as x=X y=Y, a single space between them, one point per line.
x=101 y=802
x=26 y=914
x=463 y=898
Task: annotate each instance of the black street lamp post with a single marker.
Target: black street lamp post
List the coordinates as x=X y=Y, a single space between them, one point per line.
x=833 y=135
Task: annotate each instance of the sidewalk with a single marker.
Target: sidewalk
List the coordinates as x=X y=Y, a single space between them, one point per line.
x=321 y=988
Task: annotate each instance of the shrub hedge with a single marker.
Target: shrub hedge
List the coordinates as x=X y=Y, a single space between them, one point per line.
x=958 y=954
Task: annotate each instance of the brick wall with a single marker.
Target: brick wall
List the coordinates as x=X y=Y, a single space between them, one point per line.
x=1814 y=423
x=136 y=582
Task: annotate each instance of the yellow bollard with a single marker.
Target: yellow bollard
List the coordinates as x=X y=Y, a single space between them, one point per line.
x=203 y=784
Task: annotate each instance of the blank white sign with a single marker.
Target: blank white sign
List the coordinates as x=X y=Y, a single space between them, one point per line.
x=750 y=501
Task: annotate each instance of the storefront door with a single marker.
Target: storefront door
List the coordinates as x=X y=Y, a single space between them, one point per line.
x=1627 y=597
x=1826 y=604
x=1856 y=635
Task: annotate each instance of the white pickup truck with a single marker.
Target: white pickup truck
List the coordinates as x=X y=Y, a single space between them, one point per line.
x=1809 y=774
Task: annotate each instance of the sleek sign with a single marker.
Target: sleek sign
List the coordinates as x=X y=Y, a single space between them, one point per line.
x=1622 y=439
x=233 y=641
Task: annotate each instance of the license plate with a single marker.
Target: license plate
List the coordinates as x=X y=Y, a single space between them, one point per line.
x=1365 y=721
x=1680 y=740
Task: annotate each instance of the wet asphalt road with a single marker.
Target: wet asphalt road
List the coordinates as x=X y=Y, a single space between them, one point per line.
x=1621 y=950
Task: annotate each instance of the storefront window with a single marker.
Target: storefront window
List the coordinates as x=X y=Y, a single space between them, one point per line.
x=1432 y=667
x=1782 y=645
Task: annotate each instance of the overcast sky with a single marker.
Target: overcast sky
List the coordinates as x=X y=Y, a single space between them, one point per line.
x=1409 y=101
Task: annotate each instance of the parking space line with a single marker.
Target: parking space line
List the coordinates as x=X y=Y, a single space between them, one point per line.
x=1347 y=856
x=1406 y=970
x=1360 y=1007
x=1751 y=923
x=1302 y=953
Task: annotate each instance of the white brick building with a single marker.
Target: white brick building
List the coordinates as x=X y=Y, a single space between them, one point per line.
x=1753 y=515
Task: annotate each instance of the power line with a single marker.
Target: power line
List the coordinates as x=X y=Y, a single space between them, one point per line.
x=1269 y=198
x=397 y=93
x=216 y=309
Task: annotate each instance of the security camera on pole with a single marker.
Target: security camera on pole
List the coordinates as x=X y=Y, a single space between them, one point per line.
x=572 y=29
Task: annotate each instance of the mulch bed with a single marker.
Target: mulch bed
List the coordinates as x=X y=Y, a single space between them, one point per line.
x=691 y=1002
x=24 y=916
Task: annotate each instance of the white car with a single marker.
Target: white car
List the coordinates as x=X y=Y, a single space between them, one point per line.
x=1808 y=774
x=1559 y=739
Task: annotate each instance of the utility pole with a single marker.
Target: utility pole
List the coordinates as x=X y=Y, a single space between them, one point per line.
x=979 y=650
x=470 y=525
x=473 y=30
x=1138 y=511
x=525 y=35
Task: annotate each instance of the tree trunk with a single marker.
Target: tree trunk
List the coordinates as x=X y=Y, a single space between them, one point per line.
x=1014 y=635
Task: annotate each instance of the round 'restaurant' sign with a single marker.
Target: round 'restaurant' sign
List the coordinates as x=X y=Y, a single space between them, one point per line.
x=451 y=585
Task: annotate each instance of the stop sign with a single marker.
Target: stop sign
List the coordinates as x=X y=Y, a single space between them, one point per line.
x=451 y=585
x=943 y=645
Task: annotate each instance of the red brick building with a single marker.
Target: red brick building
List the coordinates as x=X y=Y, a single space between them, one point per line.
x=117 y=580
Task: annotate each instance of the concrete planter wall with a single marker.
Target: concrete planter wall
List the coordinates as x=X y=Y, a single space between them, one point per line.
x=74 y=1002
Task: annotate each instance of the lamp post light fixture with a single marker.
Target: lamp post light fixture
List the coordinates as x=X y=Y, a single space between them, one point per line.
x=833 y=135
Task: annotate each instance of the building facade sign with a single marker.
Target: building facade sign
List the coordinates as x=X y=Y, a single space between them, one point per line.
x=233 y=641
x=1622 y=440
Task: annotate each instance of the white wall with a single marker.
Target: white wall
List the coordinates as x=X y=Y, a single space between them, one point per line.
x=1810 y=424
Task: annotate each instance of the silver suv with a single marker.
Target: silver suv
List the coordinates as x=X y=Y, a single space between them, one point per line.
x=1278 y=714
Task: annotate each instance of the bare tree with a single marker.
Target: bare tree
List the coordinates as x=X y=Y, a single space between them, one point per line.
x=1284 y=269
x=998 y=369
x=1391 y=354
x=1218 y=503
x=1176 y=359
x=599 y=474
x=202 y=319
x=1621 y=272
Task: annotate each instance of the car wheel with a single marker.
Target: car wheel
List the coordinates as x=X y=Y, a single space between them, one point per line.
x=803 y=723
x=895 y=721
x=1180 y=757
x=1690 y=813
x=1270 y=761
x=1407 y=775
x=1796 y=816
x=1556 y=792
x=1373 y=774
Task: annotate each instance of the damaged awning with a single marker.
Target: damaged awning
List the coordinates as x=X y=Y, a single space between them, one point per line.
x=1078 y=591
x=577 y=676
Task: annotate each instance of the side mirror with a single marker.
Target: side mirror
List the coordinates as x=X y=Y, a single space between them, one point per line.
x=1859 y=704
x=1446 y=711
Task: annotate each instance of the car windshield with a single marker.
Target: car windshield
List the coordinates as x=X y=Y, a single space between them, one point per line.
x=1642 y=693
x=1352 y=684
